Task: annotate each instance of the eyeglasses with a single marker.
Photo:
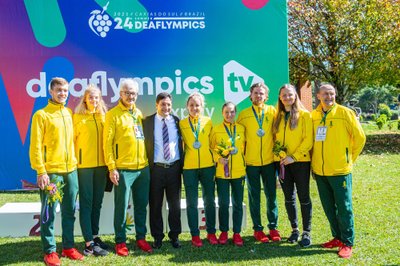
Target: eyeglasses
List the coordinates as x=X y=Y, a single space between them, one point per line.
x=127 y=93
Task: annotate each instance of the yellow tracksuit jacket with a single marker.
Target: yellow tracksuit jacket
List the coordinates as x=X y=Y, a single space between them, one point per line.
x=123 y=139
x=344 y=141
x=196 y=158
x=52 y=146
x=258 y=150
x=88 y=139
x=298 y=141
x=237 y=166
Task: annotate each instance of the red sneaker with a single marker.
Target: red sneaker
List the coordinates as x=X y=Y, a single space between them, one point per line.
x=334 y=243
x=72 y=254
x=223 y=238
x=121 y=249
x=237 y=240
x=212 y=239
x=260 y=236
x=345 y=251
x=196 y=241
x=52 y=259
x=143 y=245
x=274 y=235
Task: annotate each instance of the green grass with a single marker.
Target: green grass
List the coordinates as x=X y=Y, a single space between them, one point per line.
x=370 y=127
x=376 y=199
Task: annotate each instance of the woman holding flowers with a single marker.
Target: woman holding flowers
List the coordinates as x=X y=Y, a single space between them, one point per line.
x=227 y=141
x=92 y=173
x=198 y=167
x=293 y=141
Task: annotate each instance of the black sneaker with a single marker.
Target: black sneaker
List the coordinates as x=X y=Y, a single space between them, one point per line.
x=100 y=243
x=294 y=236
x=305 y=239
x=95 y=250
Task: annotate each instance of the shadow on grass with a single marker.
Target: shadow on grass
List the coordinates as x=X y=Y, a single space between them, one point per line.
x=30 y=251
x=230 y=253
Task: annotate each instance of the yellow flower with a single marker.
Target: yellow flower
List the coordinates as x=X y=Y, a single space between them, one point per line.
x=282 y=154
x=226 y=152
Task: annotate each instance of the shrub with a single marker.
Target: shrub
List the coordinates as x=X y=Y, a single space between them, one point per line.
x=373 y=117
x=383 y=109
x=381 y=121
x=398 y=124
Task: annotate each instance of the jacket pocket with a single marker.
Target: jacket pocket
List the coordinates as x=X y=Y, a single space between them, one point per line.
x=347 y=155
x=116 y=151
x=80 y=156
x=45 y=153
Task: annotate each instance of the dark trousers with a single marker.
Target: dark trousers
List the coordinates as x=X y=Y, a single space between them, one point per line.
x=92 y=182
x=297 y=178
x=191 y=179
x=166 y=180
x=266 y=175
x=224 y=186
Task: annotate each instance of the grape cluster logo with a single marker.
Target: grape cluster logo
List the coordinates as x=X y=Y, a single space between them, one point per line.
x=99 y=22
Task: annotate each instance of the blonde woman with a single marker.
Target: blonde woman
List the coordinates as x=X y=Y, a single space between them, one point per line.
x=230 y=173
x=92 y=173
x=293 y=129
x=198 y=167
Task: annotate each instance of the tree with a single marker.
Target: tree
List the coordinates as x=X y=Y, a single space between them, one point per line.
x=350 y=44
x=369 y=98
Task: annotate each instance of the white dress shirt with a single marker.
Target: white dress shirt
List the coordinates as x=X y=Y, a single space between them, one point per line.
x=158 y=139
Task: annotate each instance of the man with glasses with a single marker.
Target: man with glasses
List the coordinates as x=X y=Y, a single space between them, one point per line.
x=126 y=159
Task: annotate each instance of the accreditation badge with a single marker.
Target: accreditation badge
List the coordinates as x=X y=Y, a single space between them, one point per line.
x=197 y=144
x=321 y=133
x=138 y=131
x=260 y=132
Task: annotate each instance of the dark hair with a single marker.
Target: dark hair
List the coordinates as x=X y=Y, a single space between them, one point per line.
x=228 y=103
x=162 y=96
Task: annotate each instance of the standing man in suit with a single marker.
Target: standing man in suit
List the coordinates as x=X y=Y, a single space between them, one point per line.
x=163 y=143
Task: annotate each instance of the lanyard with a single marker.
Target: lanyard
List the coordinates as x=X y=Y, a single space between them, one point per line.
x=323 y=120
x=195 y=132
x=232 y=137
x=259 y=120
x=133 y=114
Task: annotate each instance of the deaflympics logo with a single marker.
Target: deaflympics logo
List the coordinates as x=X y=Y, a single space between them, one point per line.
x=99 y=22
x=237 y=81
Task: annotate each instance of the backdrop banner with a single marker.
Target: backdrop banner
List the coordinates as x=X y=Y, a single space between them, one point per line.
x=218 y=48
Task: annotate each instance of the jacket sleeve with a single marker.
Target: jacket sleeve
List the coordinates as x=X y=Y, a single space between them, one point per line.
x=108 y=139
x=357 y=135
x=307 y=137
x=36 y=147
x=213 y=144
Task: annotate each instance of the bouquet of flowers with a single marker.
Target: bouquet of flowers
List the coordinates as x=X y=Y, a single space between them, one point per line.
x=224 y=149
x=280 y=150
x=54 y=193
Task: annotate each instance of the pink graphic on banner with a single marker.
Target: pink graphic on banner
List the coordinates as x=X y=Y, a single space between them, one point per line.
x=255 y=4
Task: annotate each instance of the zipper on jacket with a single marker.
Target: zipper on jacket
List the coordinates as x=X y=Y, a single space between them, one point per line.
x=65 y=138
x=45 y=153
x=80 y=156
x=347 y=155
x=116 y=151
x=97 y=140
x=322 y=151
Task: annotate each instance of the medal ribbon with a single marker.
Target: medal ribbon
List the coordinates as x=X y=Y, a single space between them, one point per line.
x=232 y=137
x=259 y=120
x=195 y=132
